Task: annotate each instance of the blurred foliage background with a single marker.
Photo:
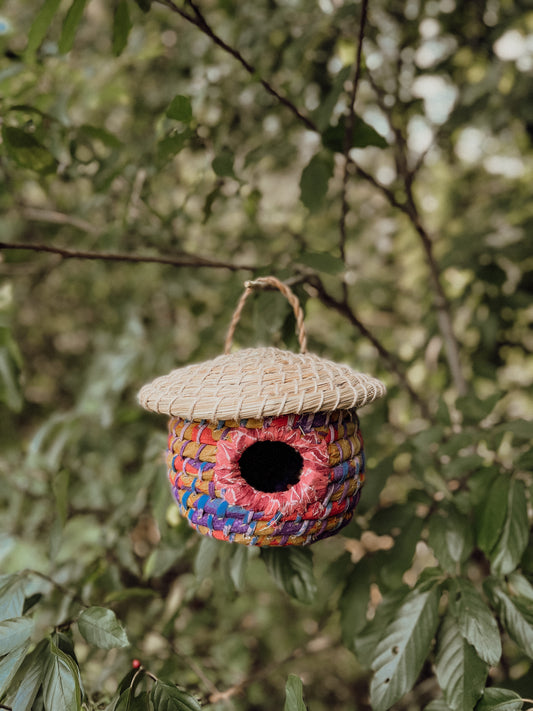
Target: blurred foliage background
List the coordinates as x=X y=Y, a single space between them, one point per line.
x=126 y=129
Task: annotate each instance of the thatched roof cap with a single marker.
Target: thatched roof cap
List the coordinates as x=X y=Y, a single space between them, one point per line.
x=259 y=382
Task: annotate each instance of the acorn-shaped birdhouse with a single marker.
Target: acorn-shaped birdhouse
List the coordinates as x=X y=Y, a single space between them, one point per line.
x=264 y=445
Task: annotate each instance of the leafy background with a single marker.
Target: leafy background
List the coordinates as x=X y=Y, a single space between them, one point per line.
x=218 y=138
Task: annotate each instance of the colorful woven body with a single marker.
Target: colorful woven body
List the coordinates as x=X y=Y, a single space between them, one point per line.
x=203 y=466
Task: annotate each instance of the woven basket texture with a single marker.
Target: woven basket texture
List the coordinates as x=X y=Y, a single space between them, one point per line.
x=259 y=382
x=203 y=470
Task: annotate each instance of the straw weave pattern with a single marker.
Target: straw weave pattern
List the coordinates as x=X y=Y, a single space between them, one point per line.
x=309 y=511
x=260 y=383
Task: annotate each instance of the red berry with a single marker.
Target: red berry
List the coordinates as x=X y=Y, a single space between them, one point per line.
x=135 y=664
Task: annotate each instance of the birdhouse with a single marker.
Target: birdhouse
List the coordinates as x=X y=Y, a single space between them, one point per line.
x=264 y=445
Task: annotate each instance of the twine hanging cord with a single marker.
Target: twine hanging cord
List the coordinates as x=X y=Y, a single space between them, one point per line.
x=265 y=283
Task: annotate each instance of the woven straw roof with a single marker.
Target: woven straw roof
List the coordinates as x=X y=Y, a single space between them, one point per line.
x=258 y=382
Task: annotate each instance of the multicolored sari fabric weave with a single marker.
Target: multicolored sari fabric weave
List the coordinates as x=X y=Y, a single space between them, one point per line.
x=204 y=467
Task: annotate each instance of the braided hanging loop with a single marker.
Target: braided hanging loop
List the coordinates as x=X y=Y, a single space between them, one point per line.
x=264 y=282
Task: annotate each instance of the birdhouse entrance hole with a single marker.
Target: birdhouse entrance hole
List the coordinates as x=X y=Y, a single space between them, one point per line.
x=271 y=466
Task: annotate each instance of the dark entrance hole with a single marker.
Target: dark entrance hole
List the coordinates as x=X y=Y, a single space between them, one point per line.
x=271 y=466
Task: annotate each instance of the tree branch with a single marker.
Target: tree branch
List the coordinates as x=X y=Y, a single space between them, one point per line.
x=442 y=304
x=38 y=214
x=348 y=132
x=344 y=309
x=265 y=671
x=62 y=588
x=183 y=260
x=196 y=668
x=199 y=21
x=409 y=208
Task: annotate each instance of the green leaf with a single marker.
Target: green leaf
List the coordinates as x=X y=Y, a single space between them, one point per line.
x=363 y=135
x=292 y=570
x=322 y=262
x=521 y=429
x=429 y=577
x=121 y=27
x=294 y=700
x=353 y=602
x=70 y=25
x=123 y=703
x=14 y=632
x=520 y=586
x=437 y=705
x=129 y=702
x=23 y=148
x=210 y=199
x=60 y=488
x=314 y=182
x=460 y=672
x=167 y=697
x=450 y=536
x=10 y=370
x=180 y=109
x=145 y=5
x=99 y=626
x=40 y=24
x=474 y=410
x=61 y=688
x=130 y=680
x=525 y=607
x=238 y=563
x=443 y=414
x=492 y=513
x=495 y=699
x=403 y=649
x=222 y=164
x=525 y=461
x=100 y=134
x=366 y=642
x=141 y=702
x=172 y=144
x=475 y=620
x=394 y=562
x=9 y=666
x=374 y=484
x=31 y=601
x=206 y=556
x=65 y=642
x=28 y=678
x=453 y=443
x=508 y=551
x=322 y=115
x=11 y=596
x=516 y=615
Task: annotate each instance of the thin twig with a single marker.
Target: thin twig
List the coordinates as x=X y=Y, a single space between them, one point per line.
x=196 y=668
x=199 y=21
x=183 y=260
x=265 y=671
x=442 y=304
x=38 y=214
x=387 y=192
x=344 y=309
x=409 y=208
x=58 y=586
x=348 y=132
